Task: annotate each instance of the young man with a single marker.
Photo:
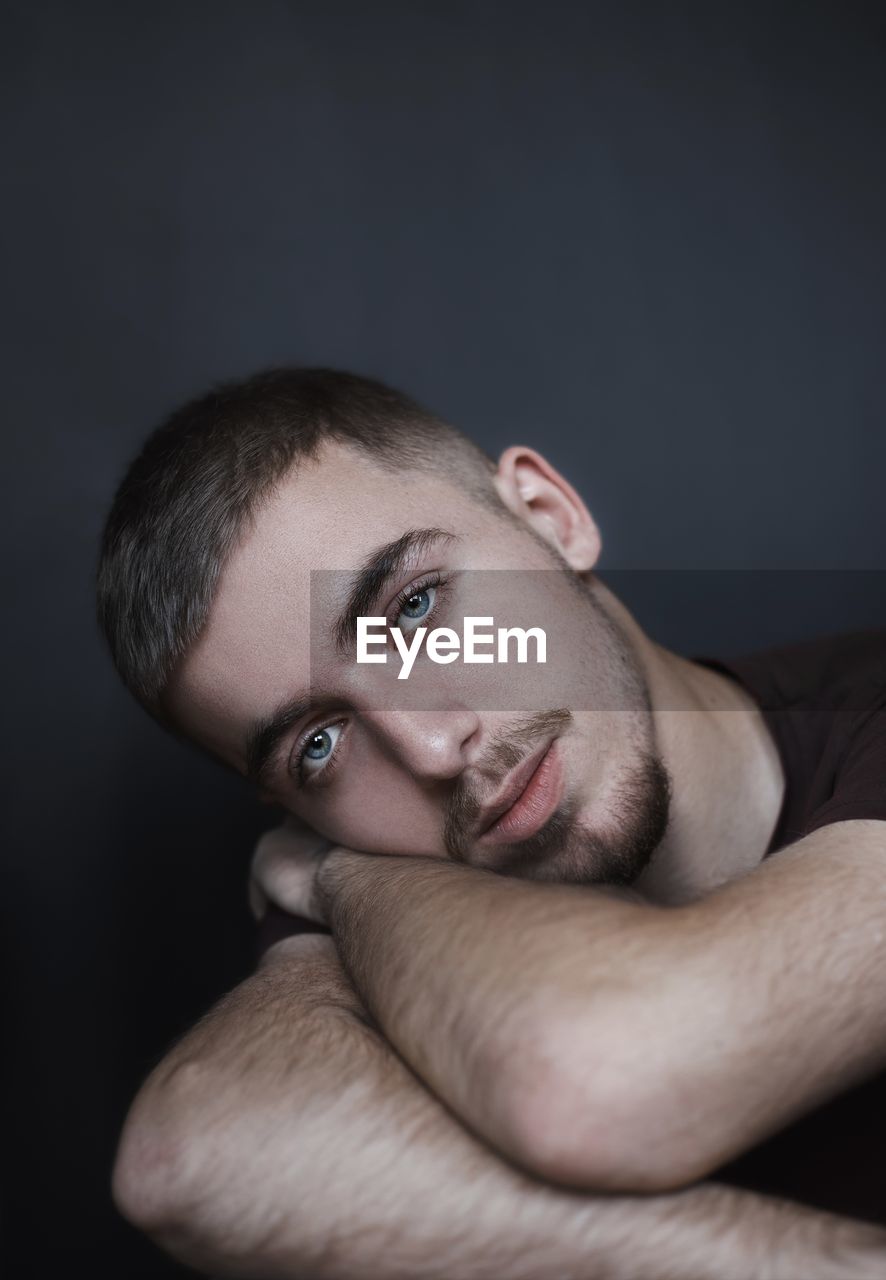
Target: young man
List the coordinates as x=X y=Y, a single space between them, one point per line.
x=556 y=960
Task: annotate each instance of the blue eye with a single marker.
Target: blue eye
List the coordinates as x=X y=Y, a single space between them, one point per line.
x=318 y=749
x=417 y=605
x=319 y=746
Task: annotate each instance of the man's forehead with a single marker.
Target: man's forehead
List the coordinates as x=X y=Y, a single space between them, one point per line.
x=328 y=512
x=255 y=648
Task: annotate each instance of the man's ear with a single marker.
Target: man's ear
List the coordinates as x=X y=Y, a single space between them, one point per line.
x=536 y=492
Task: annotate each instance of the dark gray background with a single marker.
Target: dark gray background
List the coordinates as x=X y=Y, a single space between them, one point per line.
x=646 y=238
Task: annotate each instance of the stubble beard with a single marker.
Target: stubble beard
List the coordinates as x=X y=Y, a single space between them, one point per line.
x=566 y=849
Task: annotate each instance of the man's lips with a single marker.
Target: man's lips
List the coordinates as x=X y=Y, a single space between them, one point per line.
x=528 y=797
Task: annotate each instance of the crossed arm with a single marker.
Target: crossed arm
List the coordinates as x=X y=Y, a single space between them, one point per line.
x=592 y=1041
x=613 y=1044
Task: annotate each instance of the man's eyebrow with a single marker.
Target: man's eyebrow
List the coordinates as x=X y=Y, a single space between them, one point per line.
x=265 y=735
x=378 y=568
x=381 y=565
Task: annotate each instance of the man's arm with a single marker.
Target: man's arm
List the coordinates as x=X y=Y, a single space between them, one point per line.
x=613 y=1044
x=283 y=1138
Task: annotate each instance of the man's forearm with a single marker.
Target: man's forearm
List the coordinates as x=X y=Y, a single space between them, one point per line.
x=617 y=1045
x=469 y=975
x=283 y=1138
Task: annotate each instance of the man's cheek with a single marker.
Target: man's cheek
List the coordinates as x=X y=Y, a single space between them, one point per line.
x=390 y=824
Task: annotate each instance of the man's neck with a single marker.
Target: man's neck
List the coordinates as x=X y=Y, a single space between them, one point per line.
x=728 y=781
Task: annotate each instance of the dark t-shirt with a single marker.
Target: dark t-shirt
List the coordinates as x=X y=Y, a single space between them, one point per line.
x=824 y=703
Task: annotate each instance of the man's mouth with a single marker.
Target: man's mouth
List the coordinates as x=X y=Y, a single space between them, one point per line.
x=526 y=800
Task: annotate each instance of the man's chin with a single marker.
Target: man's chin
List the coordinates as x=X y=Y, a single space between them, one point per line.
x=567 y=851
x=531 y=857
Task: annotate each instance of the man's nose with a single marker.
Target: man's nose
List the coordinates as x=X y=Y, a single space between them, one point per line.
x=433 y=744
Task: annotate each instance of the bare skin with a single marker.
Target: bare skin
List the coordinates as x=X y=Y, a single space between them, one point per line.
x=283 y=1138
x=595 y=1042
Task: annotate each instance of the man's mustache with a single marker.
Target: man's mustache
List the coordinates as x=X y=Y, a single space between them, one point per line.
x=506 y=751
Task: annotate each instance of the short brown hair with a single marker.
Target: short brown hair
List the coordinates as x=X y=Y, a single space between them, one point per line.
x=188 y=495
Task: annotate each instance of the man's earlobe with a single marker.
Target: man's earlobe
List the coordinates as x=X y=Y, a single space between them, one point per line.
x=534 y=490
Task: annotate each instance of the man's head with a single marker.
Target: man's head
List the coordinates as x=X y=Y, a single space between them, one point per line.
x=241 y=532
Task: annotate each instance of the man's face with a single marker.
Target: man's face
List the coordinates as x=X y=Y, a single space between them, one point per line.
x=425 y=766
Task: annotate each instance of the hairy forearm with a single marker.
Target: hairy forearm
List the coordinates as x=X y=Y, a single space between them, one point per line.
x=472 y=977
x=284 y=1138
x=614 y=1044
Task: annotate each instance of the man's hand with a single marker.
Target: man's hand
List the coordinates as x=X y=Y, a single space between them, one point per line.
x=284 y=871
